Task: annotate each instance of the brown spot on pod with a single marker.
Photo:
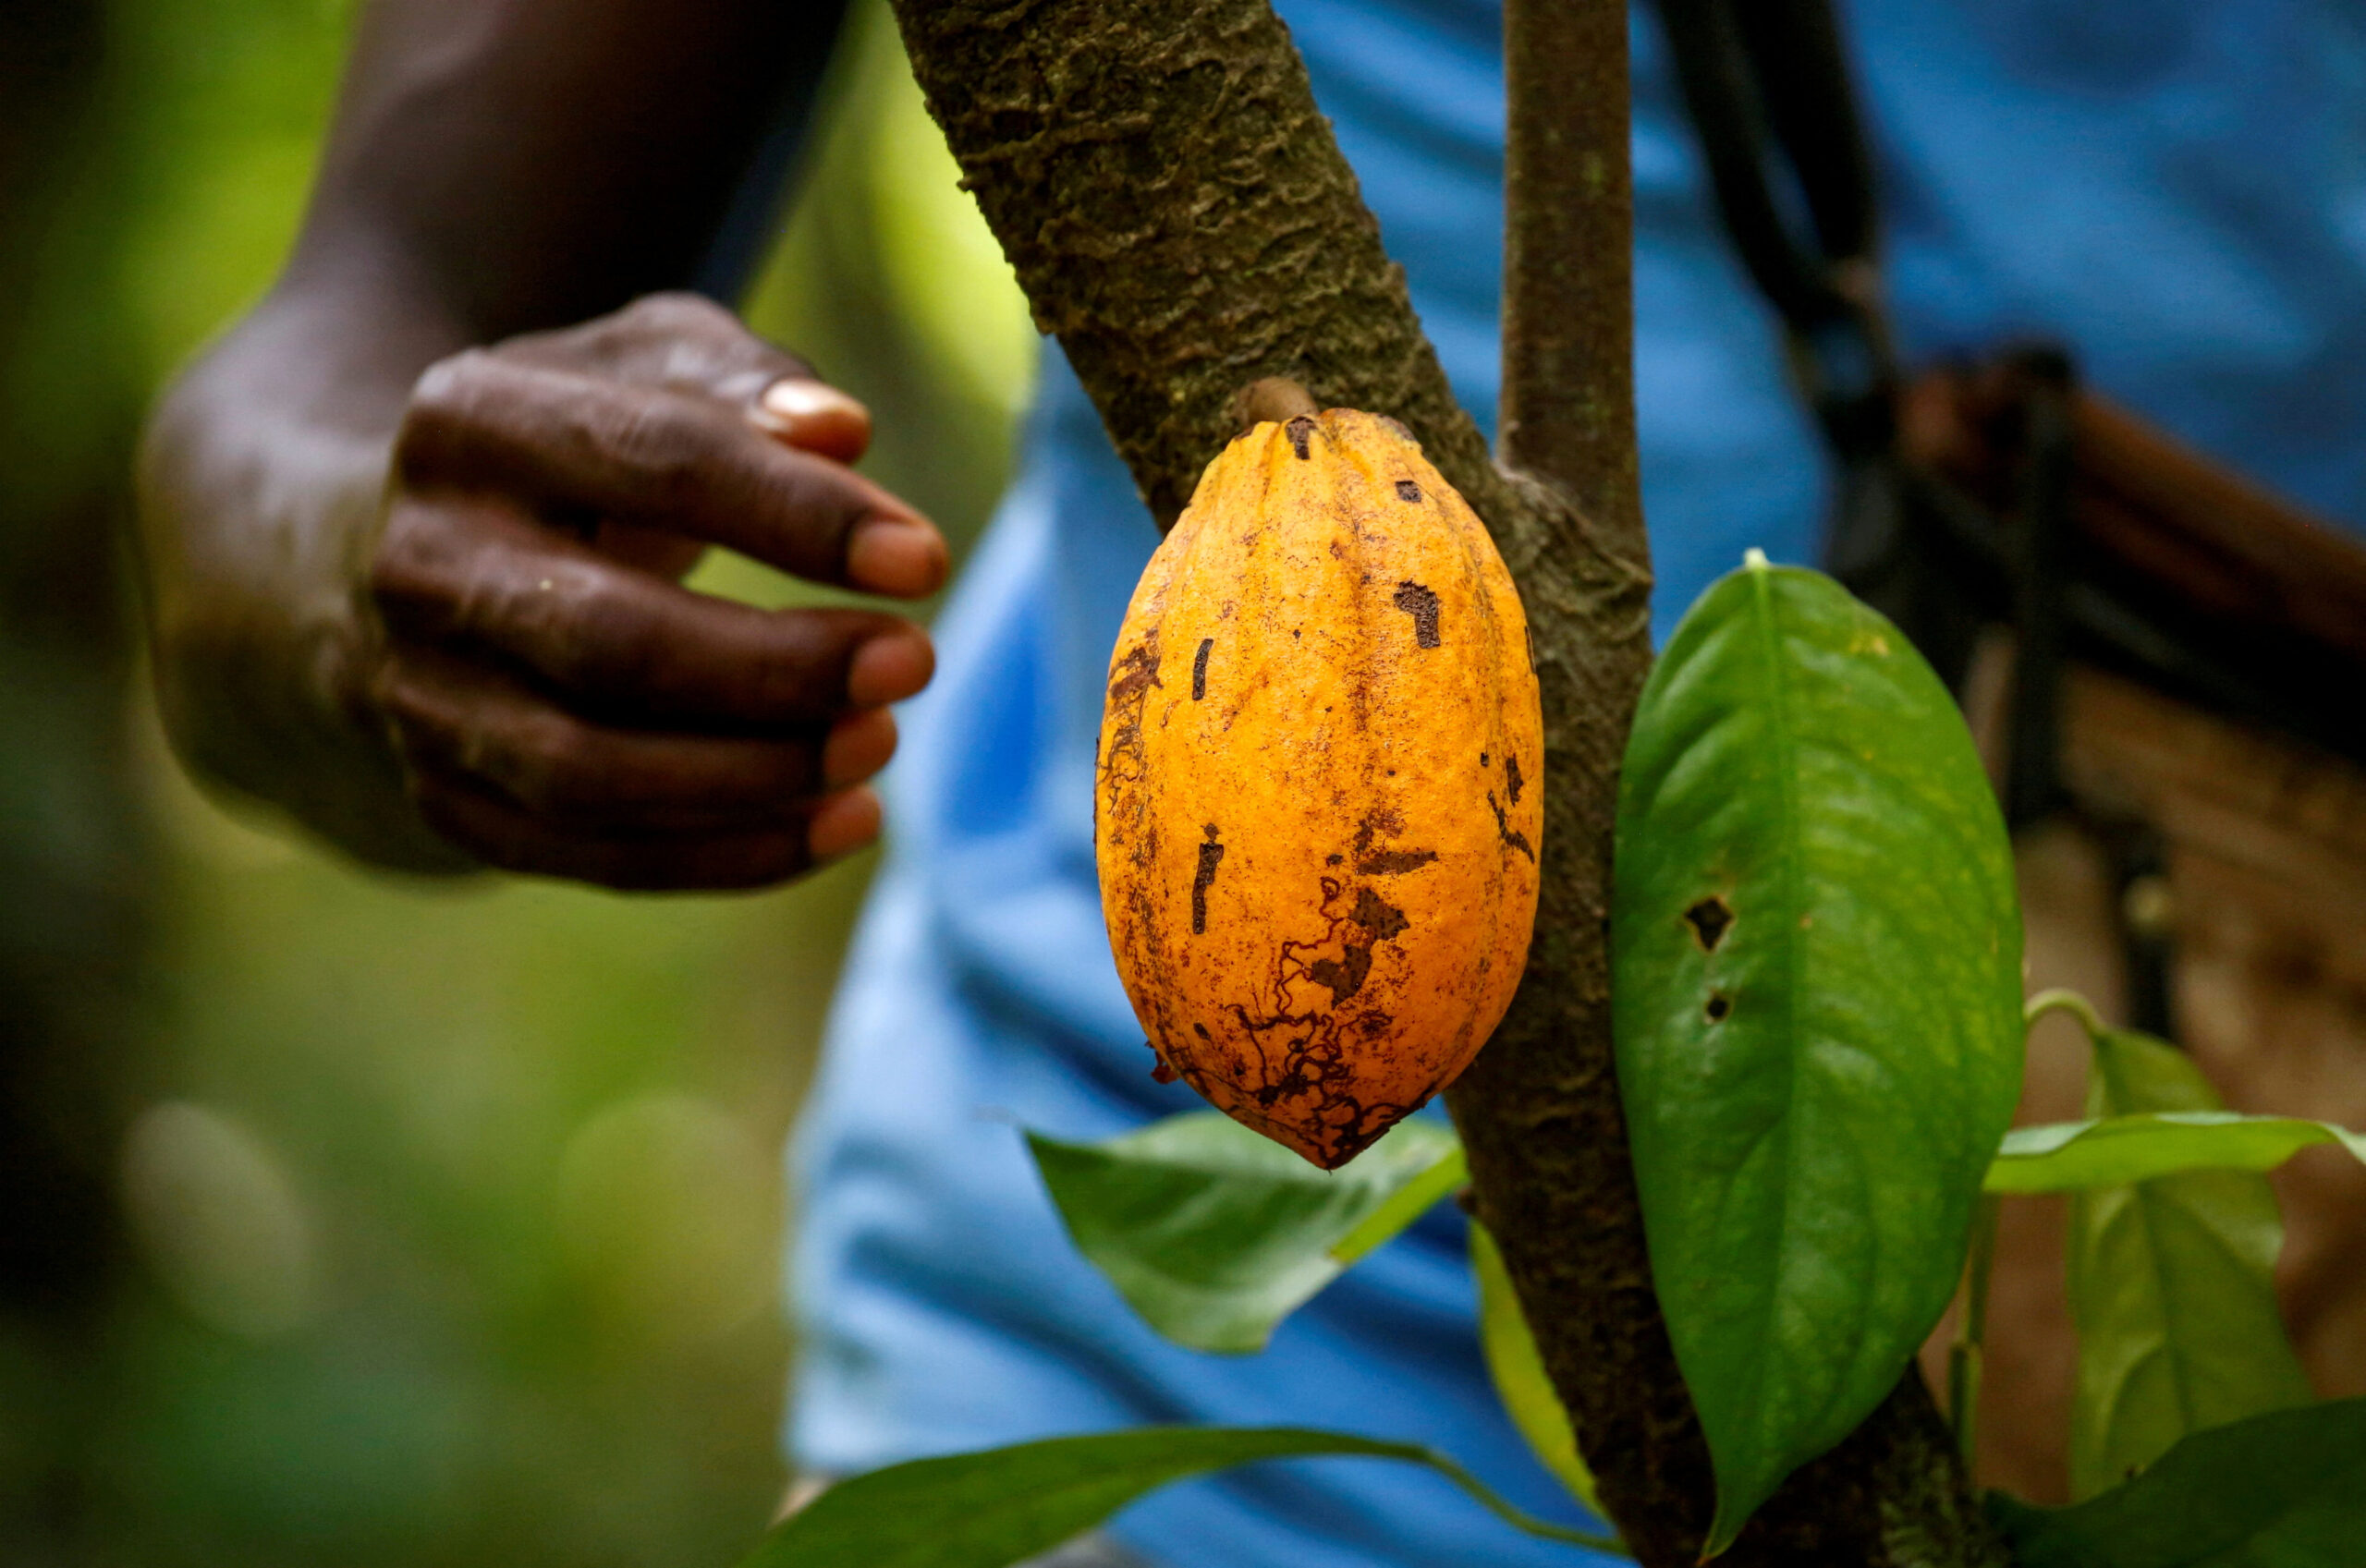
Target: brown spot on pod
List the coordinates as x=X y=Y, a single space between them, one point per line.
x=1211 y=854
x=1510 y=837
x=1377 y=916
x=1420 y=604
x=1344 y=975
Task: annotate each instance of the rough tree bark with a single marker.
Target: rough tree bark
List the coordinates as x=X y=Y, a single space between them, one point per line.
x=1181 y=218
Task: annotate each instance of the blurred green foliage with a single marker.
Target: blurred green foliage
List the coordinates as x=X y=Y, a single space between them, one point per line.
x=447 y=1220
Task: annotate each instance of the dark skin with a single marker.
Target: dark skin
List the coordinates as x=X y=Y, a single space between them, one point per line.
x=414 y=530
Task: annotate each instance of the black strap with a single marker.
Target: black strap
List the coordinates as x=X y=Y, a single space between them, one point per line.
x=1767 y=84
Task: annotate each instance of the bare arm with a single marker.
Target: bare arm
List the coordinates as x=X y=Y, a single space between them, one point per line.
x=411 y=536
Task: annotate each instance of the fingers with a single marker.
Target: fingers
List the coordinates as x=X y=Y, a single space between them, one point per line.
x=662 y=460
x=559 y=703
x=677 y=340
x=670 y=380
x=661 y=555
x=453 y=716
x=508 y=838
x=525 y=786
x=687 y=343
x=463 y=571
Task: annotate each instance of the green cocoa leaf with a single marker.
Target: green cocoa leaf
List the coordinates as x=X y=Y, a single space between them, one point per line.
x=1517 y=1369
x=2073 y=1156
x=1004 y=1505
x=2281 y=1491
x=1816 y=995
x=2172 y=1286
x=1215 y=1233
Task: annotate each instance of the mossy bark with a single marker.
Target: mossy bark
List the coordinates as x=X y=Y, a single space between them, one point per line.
x=1182 y=220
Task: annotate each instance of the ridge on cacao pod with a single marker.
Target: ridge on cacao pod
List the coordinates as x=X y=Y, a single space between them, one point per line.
x=1318 y=802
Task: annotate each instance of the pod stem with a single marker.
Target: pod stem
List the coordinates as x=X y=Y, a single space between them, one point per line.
x=1274 y=400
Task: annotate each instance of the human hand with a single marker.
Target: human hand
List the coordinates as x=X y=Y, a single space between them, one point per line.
x=559 y=703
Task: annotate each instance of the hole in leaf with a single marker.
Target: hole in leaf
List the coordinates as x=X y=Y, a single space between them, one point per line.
x=1718 y=1007
x=1710 y=920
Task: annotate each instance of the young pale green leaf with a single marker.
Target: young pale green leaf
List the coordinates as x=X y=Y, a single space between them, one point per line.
x=1517 y=1369
x=1416 y=1198
x=2073 y=1156
x=1816 y=993
x=1214 y=1235
x=2281 y=1491
x=1004 y=1505
x=2172 y=1286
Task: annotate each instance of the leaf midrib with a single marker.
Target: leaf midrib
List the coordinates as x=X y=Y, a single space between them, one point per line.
x=1777 y=692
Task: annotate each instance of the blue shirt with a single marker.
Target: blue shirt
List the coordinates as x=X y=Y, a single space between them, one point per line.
x=2175 y=187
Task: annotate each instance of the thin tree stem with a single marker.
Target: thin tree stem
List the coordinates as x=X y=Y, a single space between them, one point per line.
x=1568 y=389
x=1540 y=1111
x=2063 y=1000
x=1965 y=1356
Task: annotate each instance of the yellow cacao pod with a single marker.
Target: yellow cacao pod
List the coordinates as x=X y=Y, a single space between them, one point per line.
x=1318 y=805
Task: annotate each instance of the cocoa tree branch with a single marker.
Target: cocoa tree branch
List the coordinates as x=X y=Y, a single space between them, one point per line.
x=1181 y=219
x=1539 y=1110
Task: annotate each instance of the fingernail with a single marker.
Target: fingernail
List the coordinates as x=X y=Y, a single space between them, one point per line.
x=844 y=823
x=808 y=398
x=803 y=410
x=890 y=668
x=902 y=556
x=859 y=745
